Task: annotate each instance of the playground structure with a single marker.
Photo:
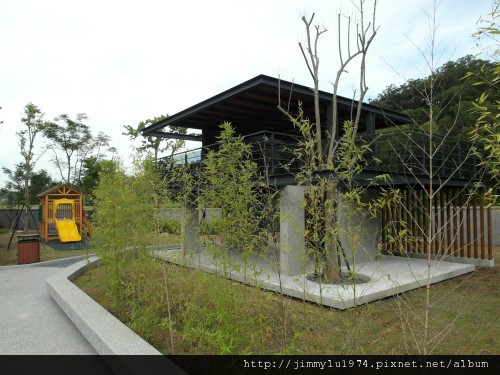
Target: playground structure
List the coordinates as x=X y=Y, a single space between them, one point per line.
x=62 y=216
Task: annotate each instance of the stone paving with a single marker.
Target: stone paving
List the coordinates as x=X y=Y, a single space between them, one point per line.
x=385 y=276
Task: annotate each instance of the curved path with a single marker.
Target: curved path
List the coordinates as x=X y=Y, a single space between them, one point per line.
x=43 y=312
x=31 y=322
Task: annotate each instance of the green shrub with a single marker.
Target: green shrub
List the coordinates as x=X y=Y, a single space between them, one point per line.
x=171 y=226
x=211 y=228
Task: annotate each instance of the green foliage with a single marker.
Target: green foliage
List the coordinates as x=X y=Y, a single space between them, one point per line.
x=487 y=133
x=152 y=143
x=125 y=216
x=79 y=148
x=40 y=181
x=67 y=136
x=33 y=124
x=206 y=314
x=333 y=214
x=14 y=187
x=92 y=169
x=486 y=108
x=453 y=95
x=144 y=295
x=211 y=228
x=228 y=178
x=200 y=305
x=171 y=226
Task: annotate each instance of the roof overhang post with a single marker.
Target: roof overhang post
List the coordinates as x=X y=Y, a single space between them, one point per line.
x=370 y=134
x=370 y=124
x=209 y=136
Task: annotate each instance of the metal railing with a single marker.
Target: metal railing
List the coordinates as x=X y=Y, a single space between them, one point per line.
x=411 y=151
x=396 y=151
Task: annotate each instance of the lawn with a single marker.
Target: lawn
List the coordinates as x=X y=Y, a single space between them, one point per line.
x=212 y=315
x=9 y=257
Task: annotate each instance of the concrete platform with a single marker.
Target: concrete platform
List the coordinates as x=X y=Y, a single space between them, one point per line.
x=388 y=275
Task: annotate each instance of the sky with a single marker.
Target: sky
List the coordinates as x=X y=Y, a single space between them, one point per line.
x=122 y=62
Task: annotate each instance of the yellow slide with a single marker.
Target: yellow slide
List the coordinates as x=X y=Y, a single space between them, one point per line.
x=67 y=230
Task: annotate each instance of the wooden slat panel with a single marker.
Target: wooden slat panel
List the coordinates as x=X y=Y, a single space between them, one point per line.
x=442 y=226
x=425 y=221
x=421 y=215
x=406 y=218
x=384 y=228
x=461 y=220
x=435 y=227
x=455 y=222
x=468 y=226
x=490 y=235
x=448 y=220
x=414 y=224
x=481 y=224
x=474 y=225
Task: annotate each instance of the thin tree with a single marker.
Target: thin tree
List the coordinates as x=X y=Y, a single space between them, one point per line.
x=363 y=31
x=68 y=136
x=422 y=217
x=155 y=144
x=33 y=124
x=90 y=154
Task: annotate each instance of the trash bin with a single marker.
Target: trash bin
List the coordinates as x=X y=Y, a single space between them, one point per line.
x=28 y=248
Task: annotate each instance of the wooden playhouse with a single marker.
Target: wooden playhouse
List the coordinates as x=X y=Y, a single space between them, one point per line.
x=62 y=216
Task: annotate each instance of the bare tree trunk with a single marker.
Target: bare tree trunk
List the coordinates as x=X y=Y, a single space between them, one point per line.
x=431 y=218
x=326 y=194
x=313 y=65
x=332 y=272
x=69 y=169
x=26 y=221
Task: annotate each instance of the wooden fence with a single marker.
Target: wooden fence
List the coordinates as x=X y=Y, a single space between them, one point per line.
x=459 y=223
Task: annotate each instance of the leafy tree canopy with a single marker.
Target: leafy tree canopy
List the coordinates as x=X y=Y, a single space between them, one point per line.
x=454 y=94
x=68 y=136
x=156 y=145
x=14 y=188
x=92 y=169
x=73 y=140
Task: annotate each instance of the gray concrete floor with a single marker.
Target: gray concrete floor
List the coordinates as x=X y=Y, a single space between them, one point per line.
x=30 y=320
x=388 y=275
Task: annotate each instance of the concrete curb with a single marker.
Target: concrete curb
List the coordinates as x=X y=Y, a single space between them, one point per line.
x=120 y=347
x=102 y=330
x=63 y=262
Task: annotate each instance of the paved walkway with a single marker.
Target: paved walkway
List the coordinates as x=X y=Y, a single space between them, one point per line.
x=30 y=320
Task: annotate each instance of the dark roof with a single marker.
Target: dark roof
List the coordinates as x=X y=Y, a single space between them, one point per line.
x=252 y=106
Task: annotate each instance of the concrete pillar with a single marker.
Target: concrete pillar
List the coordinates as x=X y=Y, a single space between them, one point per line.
x=361 y=246
x=190 y=229
x=292 y=231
